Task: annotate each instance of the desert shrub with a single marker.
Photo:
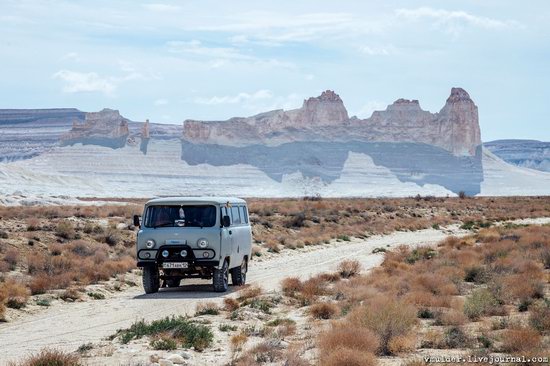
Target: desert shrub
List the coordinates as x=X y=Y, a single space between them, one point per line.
x=349 y=268
x=33 y=224
x=188 y=333
x=402 y=344
x=348 y=336
x=266 y=352
x=11 y=258
x=297 y=220
x=291 y=286
x=15 y=294
x=272 y=246
x=421 y=253
x=476 y=274
x=207 y=308
x=348 y=357
x=70 y=294
x=450 y=317
x=65 y=230
x=163 y=343
x=237 y=342
x=545 y=257
x=227 y=327
x=83 y=248
x=323 y=310
x=230 y=304
x=249 y=292
x=520 y=340
x=311 y=289
x=539 y=317
x=387 y=318
x=456 y=338
x=112 y=238
x=480 y=302
x=50 y=357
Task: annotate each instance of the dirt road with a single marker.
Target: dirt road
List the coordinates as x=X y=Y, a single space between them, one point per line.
x=69 y=325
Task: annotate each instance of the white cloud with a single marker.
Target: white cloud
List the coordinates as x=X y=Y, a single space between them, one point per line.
x=371 y=106
x=378 y=51
x=160 y=102
x=162 y=8
x=234 y=99
x=76 y=82
x=259 y=101
x=455 y=21
x=197 y=48
x=71 y=56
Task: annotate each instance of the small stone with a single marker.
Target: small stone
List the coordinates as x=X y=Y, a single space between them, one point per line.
x=185 y=355
x=176 y=359
x=154 y=358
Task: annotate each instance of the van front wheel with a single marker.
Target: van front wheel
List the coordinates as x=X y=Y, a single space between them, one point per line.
x=221 y=278
x=238 y=274
x=151 y=280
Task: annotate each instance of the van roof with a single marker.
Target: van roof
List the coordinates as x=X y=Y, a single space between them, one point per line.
x=199 y=200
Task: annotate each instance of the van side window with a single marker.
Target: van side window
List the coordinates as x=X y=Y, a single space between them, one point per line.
x=244 y=215
x=236 y=215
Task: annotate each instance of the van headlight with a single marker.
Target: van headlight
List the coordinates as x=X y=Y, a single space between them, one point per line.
x=202 y=243
x=150 y=243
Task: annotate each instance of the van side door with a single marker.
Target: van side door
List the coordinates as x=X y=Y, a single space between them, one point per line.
x=236 y=236
x=226 y=245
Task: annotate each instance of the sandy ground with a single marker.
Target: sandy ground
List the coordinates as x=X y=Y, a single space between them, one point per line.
x=68 y=325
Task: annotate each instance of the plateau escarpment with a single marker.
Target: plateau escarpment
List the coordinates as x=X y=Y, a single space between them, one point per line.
x=455 y=128
x=105 y=128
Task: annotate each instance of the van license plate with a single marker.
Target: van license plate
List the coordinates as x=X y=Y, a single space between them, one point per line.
x=175 y=265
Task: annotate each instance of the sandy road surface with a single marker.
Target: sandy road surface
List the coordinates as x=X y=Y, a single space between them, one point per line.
x=70 y=325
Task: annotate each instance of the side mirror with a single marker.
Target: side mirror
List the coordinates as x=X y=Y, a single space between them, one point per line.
x=226 y=221
x=137 y=222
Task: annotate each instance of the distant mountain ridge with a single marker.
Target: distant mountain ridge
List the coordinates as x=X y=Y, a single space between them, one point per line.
x=315 y=149
x=532 y=154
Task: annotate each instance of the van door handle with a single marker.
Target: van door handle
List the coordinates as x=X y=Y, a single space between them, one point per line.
x=230 y=232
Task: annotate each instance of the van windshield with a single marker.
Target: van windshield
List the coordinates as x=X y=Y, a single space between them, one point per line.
x=180 y=216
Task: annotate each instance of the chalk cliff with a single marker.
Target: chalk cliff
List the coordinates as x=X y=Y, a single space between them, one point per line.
x=324 y=118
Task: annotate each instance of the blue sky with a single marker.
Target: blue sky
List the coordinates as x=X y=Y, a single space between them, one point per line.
x=173 y=60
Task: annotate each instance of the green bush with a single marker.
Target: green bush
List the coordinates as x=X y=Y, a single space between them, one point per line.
x=480 y=302
x=164 y=343
x=188 y=333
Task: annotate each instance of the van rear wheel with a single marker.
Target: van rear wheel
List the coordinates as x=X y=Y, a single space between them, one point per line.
x=238 y=274
x=220 y=278
x=151 y=280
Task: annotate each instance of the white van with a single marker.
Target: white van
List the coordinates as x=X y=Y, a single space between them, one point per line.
x=193 y=237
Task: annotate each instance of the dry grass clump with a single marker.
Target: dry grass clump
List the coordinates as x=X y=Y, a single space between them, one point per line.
x=230 y=304
x=50 y=357
x=291 y=286
x=387 y=317
x=249 y=292
x=207 y=308
x=349 y=268
x=13 y=294
x=521 y=340
x=324 y=310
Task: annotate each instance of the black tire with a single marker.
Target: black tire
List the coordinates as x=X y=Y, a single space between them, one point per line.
x=151 y=281
x=238 y=274
x=173 y=282
x=220 y=278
